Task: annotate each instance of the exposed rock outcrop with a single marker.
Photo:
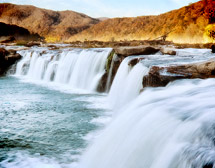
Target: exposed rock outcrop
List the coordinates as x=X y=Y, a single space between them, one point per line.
x=7 y=59
x=120 y=54
x=168 y=51
x=161 y=76
x=116 y=61
x=138 y=50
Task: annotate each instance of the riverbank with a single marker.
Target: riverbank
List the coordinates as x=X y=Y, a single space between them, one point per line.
x=110 y=44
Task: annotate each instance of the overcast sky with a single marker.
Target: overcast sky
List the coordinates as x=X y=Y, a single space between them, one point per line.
x=108 y=8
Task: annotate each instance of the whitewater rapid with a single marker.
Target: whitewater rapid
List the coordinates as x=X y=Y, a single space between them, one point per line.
x=169 y=127
x=77 y=68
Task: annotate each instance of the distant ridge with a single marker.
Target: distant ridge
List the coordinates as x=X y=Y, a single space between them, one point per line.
x=186 y=25
x=191 y=24
x=53 y=25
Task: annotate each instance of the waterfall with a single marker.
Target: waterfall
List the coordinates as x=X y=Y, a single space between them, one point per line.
x=20 y=70
x=80 y=69
x=127 y=83
x=170 y=127
x=108 y=84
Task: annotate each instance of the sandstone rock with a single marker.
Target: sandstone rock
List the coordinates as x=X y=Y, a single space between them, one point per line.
x=168 y=51
x=197 y=70
x=161 y=76
x=138 y=50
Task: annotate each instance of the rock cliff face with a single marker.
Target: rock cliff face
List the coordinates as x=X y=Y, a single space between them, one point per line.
x=52 y=25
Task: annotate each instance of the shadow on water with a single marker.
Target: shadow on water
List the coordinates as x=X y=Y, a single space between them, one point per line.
x=16 y=143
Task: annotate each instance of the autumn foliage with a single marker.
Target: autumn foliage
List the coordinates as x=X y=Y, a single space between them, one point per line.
x=191 y=24
x=53 y=25
x=185 y=25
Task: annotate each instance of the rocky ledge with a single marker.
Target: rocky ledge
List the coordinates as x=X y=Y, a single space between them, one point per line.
x=7 y=59
x=161 y=76
x=143 y=50
x=158 y=76
x=118 y=54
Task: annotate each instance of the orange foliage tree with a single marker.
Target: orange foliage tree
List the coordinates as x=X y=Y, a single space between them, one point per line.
x=209 y=10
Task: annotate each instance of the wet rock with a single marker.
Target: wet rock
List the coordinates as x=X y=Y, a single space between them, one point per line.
x=7 y=59
x=33 y=43
x=103 y=82
x=133 y=62
x=168 y=51
x=213 y=48
x=156 y=79
x=53 y=47
x=138 y=50
x=208 y=165
x=197 y=70
x=161 y=76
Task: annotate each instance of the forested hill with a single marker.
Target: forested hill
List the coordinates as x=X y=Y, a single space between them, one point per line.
x=53 y=25
x=190 y=24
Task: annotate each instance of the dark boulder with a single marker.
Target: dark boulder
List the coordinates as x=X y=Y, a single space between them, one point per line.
x=213 y=48
x=134 y=61
x=156 y=79
x=102 y=87
x=7 y=59
x=208 y=165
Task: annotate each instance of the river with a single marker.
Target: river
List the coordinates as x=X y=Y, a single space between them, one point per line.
x=52 y=117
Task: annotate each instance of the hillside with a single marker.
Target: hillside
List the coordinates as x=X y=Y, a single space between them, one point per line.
x=52 y=25
x=188 y=24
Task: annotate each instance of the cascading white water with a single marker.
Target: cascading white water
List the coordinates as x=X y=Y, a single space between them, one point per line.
x=127 y=83
x=50 y=72
x=80 y=69
x=20 y=65
x=171 y=127
x=108 y=84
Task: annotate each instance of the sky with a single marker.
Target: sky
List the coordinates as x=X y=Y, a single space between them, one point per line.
x=108 y=8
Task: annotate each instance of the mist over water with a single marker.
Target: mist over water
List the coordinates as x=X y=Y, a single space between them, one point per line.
x=52 y=117
x=170 y=127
